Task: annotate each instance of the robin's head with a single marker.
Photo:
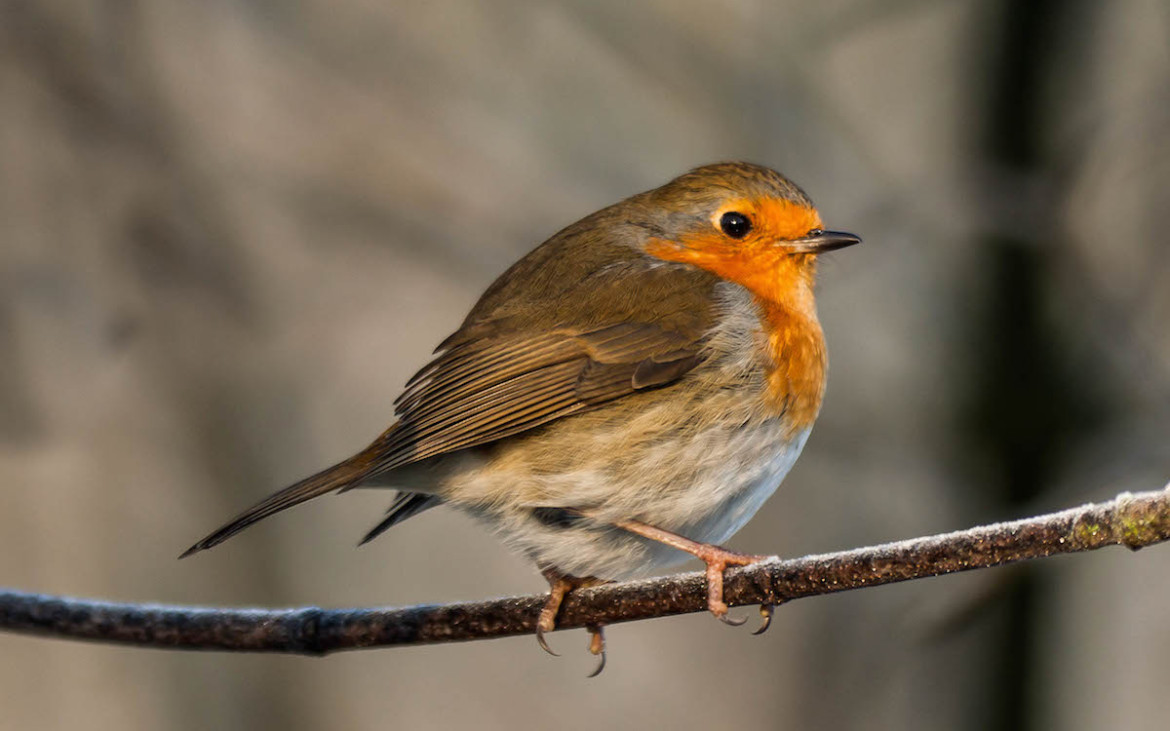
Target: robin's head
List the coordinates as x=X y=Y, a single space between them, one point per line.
x=743 y=222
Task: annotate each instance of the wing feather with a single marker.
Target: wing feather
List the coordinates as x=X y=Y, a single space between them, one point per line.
x=483 y=391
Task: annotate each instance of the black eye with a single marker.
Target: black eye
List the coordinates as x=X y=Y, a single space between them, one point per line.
x=735 y=225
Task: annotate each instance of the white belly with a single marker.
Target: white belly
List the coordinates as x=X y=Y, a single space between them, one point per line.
x=734 y=497
x=705 y=486
x=756 y=487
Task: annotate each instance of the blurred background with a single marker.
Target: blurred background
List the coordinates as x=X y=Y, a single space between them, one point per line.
x=231 y=230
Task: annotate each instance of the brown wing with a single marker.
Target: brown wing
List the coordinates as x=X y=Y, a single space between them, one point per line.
x=577 y=323
x=480 y=392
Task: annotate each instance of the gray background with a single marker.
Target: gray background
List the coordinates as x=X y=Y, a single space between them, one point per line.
x=231 y=231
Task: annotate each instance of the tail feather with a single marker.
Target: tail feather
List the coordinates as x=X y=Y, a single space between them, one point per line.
x=341 y=475
x=406 y=505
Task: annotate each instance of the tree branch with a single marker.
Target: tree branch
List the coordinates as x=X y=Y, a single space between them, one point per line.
x=1130 y=520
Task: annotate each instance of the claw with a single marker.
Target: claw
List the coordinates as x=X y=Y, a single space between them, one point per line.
x=766 y=611
x=597 y=647
x=599 y=668
x=732 y=621
x=543 y=642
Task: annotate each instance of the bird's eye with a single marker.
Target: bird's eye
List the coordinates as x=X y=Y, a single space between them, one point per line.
x=735 y=225
x=815 y=233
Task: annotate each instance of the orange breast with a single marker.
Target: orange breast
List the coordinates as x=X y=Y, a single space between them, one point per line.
x=796 y=383
x=783 y=287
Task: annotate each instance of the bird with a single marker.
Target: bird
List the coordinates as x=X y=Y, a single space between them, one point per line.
x=624 y=397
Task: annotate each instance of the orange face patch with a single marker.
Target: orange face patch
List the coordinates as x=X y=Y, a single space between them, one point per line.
x=772 y=218
x=783 y=287
x=758 y=261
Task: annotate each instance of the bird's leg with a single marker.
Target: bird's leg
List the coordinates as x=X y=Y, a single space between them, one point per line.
x=716 y=558
x=559 y=585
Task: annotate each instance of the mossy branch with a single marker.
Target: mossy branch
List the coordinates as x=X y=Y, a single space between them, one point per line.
x=1132 y=520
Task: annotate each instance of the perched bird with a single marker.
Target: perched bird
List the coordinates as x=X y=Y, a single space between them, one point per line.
x=625 y=396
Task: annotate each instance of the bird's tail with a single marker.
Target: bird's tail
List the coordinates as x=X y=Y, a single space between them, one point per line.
x=342 y=475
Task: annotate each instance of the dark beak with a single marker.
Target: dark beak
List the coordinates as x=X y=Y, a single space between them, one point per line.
x=818 y=242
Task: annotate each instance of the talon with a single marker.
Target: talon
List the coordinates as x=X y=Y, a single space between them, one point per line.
x=717 y=606
x=543 y=642
x=599 y=668
x=597 y=647
x=732 y=621
x=766 y=611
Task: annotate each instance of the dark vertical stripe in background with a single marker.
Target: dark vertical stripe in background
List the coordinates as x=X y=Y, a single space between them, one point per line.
x=1027 y=405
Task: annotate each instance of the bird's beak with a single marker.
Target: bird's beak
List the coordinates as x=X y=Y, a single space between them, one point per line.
x=818 y=242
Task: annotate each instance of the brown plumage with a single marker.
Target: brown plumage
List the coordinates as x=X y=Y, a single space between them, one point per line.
x=649 y=372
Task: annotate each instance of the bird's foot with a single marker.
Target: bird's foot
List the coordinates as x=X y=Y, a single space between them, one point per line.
x=717 y=560
x=559 y=586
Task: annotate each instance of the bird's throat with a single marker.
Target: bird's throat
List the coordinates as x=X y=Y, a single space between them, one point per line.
x=782 y=286
x=796 y=348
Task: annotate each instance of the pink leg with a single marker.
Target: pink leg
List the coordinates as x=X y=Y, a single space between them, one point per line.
x=716 y=558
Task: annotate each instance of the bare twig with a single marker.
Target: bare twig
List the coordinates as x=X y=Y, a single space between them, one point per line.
x=1133 y=520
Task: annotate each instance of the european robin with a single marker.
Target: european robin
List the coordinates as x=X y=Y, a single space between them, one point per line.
x=627 y=394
